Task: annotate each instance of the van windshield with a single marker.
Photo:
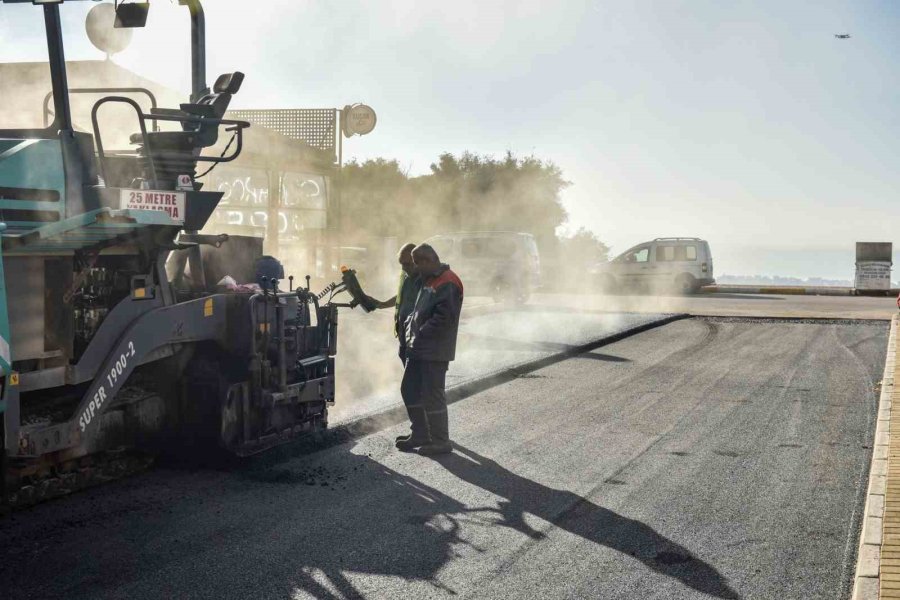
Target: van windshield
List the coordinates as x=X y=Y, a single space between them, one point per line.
x=488 y=247
x=443 y=246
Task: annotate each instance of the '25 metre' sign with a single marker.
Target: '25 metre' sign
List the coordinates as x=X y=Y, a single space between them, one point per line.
x=172 y=203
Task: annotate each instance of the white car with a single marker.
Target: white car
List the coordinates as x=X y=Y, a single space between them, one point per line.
x=664 y=264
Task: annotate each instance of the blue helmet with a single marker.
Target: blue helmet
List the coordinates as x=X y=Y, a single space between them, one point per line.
x=270 y=268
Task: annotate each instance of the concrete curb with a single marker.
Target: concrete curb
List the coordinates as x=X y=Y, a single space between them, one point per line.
x=868 y=562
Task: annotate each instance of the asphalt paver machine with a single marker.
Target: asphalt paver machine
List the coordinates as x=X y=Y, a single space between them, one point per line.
x=114 y=336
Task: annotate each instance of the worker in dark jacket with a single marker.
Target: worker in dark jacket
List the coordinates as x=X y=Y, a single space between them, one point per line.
x=430 y=346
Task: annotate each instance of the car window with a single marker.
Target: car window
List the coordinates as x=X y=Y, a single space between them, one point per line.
x=471 y=248
x=641 y=255
x=676 y=253
x=504 y=247
x=665 y=253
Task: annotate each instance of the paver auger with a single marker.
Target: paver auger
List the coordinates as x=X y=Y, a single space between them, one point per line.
x=113 y=334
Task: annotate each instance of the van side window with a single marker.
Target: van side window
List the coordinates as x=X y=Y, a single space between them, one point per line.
x=503 y=247
x=676 y=253
x=471 y=248
x=665 y=253
x=690 y=252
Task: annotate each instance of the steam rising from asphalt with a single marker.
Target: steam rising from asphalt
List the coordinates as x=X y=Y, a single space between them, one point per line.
x=493 y=337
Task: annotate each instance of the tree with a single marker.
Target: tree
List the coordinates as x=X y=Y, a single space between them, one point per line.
x=584 y=248
x=469 y=192
x=510 y=194
x=372 y=196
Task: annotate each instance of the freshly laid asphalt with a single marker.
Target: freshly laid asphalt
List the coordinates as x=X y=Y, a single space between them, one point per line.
x=707 y=458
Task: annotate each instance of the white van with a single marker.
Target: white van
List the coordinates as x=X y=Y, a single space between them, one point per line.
x=664 y=264
x=502 y=264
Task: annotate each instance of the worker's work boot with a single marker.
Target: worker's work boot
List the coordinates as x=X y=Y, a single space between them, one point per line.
x=439 y=428
x=419 y=425
x=412 y=443
x=436 y=449
x=400 y=438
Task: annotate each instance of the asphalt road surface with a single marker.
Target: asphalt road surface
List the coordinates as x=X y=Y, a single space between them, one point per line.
x=702 y=459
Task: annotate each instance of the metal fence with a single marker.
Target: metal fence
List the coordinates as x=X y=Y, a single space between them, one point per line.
x=315 y=126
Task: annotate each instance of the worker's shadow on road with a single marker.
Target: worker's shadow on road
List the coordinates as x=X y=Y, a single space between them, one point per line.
x=339 y=525
x=575 y=514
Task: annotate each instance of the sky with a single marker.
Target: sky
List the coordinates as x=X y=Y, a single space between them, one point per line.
x=744 y=123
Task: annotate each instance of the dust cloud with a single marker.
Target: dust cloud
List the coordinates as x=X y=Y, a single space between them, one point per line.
x=382 y=207
x=24 y=109
x=493 y=337
x=368 y=367
x=572 y=308
x=381 y=203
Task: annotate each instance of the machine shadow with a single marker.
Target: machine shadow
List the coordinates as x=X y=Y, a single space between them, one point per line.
x=313 y=527
x=577 y=515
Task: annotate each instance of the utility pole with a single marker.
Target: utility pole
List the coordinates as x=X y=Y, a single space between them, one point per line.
x=353 y=119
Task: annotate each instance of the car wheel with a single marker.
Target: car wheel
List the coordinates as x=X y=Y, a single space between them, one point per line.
x=686 y=284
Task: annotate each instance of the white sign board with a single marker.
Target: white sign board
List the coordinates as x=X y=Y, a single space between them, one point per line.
x=359 y=119
x=173 y=203
x=873 y=275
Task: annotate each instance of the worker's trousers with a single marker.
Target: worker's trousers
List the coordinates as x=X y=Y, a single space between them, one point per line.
x=423 y=394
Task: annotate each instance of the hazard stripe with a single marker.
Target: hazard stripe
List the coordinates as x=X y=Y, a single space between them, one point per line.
x=4 y=350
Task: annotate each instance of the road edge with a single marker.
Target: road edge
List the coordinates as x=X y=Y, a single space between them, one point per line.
x=791 y=290
x=868 y=559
